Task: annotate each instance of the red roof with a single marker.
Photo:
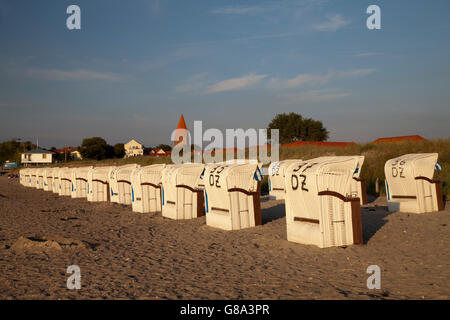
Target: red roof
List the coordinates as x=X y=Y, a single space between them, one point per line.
x=317 y=143
x=66 y=150
x=165 y=154
x=400 y=139
x=260 y=147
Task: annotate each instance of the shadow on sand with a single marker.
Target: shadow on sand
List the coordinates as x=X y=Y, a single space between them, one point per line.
x=373 y=219
x=371 y=198
x=273 y=213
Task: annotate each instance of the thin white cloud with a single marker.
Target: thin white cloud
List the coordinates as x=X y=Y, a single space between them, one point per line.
x=236 y=83
x=198 y=83
x=204 y=44
x=312 y=96
x=239 y=10
x=352 y=73
x=366 y=54
x=69 y=75
x=333 y=23
x=268 y=36
x=170 y=58
x=299 y=81
x=192 y=84
x=296 y=8
x=312 y=80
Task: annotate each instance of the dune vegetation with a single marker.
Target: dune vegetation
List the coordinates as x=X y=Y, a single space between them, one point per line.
x=375 y=157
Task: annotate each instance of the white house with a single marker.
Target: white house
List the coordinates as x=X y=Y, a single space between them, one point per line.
x=36 y=156
x=133 y=148
x=158 y=152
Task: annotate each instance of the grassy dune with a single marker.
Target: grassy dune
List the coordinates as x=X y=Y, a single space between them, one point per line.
x=375 y=157
x=143 y=161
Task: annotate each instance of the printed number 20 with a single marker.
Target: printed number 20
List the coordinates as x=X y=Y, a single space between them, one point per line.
x=211 y=180
x=295 y=185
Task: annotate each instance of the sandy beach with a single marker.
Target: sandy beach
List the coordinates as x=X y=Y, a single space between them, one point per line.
x=128 y=255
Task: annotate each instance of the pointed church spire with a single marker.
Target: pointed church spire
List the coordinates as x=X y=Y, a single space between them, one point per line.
x=181 y=123
x=181 y=131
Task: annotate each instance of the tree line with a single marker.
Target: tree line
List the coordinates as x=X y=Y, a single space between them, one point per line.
x=97 y=148
x=11 y=150
x=292 y=127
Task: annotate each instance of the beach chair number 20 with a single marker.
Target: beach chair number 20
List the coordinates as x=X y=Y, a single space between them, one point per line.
x=214 y=179
x=303 y=182
x=294 y=177
x=397 y=169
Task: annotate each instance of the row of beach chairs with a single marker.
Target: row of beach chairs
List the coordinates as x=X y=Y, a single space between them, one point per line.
x=323 y=196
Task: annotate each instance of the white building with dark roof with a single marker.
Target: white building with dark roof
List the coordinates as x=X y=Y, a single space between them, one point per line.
x=36 y=156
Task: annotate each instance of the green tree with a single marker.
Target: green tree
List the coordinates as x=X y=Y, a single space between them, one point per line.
x=60 y=157
x=96 y=148
x=28 y=145
x=313 y=130
x=10 y=150
x=147 y=151
x=293 y=127
x=119 y=150
x=165 y=147
x=110 y=151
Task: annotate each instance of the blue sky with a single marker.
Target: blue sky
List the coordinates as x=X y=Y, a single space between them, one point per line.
x=136 y=65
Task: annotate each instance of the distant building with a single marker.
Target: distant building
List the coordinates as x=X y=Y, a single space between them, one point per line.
x=76 y=155
x=400 y=139
x=181 y=132
x=133 y=149
x=36 y=156
x=159 y=153
x=72 y=151
x=66 y=150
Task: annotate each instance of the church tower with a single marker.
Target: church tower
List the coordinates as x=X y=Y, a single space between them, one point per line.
x=181 y=132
